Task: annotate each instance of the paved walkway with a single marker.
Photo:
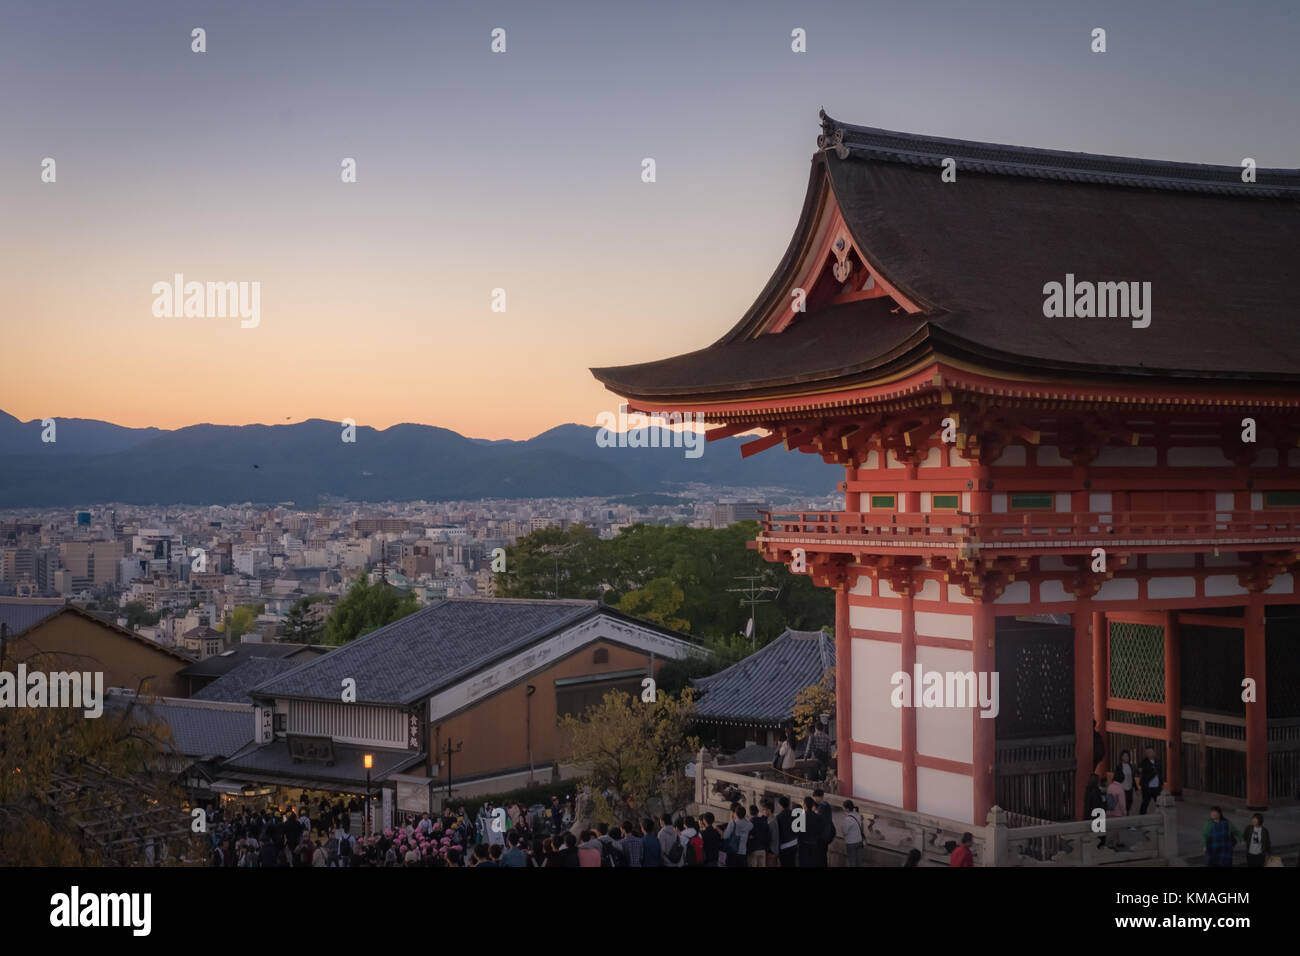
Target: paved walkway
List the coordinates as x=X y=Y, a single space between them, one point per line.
x=1282 y=823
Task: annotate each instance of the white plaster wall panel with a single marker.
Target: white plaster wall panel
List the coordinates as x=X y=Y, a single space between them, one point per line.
x=1053 y=590
x=1118 y=589
x=878 y=780
x=872 y=460
x=1161 y=560
x=925 y=502
x=1127 y=457
x=934 y=624
x=999 y=504
x=1222 y=585
x=955 y=460
x=1049 y=456
x=1224 y=500
x=891 y=461
x=965 y=501
x=1197 y=458
x=1229 y=560
x=1282 y=584
x=1267 y=458
x=1017 y=592
x=1256 y=501
x=945 y=732
x=956 y=597
x=944 y=794
x=1063 y=501
x=1171 y=588
x=1099 y=502
x=862 y=586
x=1013 y=456
x=1051 y=562
x=885 y=590
x=1293 y=458
x=875 y=719
x=888 y=619
x=933 y=458
x=929 y=591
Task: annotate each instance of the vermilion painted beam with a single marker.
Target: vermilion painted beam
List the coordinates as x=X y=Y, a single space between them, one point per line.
x=726 y=431
x=751 y=448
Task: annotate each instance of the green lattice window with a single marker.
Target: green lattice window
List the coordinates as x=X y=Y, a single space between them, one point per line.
x=882 y=502
x=945 y=502
x=1282 y=499
x=1033 y=501
x=1137 y=662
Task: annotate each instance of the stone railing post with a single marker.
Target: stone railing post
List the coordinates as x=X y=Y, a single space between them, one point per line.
x=701 y=788
x=995 y=839
x=1168 y=825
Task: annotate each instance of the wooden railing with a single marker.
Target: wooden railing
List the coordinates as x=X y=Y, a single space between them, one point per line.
x=1045 y=530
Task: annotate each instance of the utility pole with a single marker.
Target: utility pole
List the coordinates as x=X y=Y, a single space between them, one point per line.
x=752 y=598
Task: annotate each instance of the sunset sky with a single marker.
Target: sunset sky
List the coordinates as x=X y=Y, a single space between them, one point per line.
x=519 y=170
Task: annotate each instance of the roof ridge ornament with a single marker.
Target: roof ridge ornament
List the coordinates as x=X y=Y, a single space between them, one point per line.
x=831 y=136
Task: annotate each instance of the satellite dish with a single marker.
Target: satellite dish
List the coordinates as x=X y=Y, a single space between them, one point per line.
x=749 y=628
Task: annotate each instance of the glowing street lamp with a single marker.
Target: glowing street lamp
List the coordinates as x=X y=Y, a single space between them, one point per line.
x=369 y=761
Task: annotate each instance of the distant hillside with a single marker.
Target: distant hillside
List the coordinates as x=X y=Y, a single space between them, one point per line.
x=95 y=461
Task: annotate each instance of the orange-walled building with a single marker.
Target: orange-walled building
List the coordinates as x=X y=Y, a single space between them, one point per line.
x=487 y=677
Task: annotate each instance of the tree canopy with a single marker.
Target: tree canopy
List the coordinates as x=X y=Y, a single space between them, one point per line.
x=673 y=576
x=367 y=607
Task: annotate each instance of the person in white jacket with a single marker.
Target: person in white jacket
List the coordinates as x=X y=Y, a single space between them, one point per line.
x=785 y=754
x=854 y=834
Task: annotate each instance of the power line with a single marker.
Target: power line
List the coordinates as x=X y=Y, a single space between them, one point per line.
x=751 y=599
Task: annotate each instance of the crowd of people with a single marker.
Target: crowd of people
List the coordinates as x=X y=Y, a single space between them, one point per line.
x=776 y=833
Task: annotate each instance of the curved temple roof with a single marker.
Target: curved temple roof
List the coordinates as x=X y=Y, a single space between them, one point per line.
x=973 y=256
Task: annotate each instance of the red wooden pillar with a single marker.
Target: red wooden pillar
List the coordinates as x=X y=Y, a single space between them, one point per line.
x=1173 y=705
x=1256 y=711
x=1100 y=675
x=843 y=691
x=852 y=499
x=911 y=499
x=984 y=734
x=1084 y=702
x=907 y=665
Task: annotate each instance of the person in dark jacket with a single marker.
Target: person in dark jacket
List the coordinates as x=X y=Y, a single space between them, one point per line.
x=712 y=838
x=1151 y=778
x=810 y=839
x=760 y=838
x=1257 y=843
x=787 y=839
x=827 y=826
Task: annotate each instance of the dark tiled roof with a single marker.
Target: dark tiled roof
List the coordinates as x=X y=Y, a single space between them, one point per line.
x=235 y=684
x=273 y=761
x=430 y=649
x=975 y=254
x=19 y=615
x=199 y=730
x=227 y=661
x=762 y=687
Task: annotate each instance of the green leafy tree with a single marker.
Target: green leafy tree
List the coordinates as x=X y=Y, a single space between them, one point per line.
x=813 y=701
x=137 y=615
x=659 y=601
x=241 y=620
x=365 y=608
x=300 y=626
x=551 y=563
x=635 y=749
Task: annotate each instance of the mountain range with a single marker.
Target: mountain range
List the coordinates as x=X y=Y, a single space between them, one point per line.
x=94 y=462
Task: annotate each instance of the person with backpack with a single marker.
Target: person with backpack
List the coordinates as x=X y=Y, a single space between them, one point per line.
x=854 y=834
x=692 y=844
x=735 y=838
x=760 y=837
x=667 y=837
